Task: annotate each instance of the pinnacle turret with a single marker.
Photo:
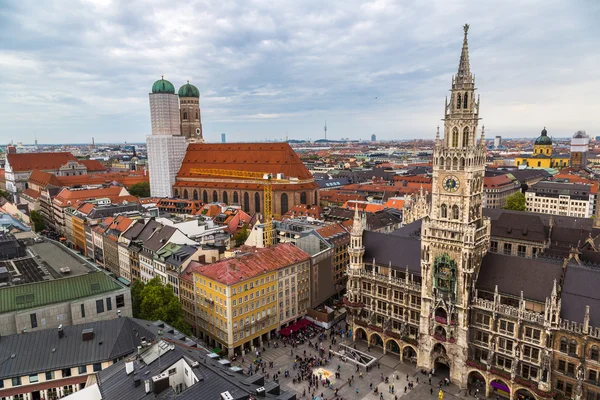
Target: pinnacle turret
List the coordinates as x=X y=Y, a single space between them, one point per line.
x=464 y=70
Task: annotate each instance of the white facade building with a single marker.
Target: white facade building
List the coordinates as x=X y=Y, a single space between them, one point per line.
x=166 y=147
x=558 y=198
x=164 y=113
x=165 y=154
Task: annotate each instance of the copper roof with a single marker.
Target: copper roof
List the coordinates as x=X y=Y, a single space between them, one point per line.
x=251 y=263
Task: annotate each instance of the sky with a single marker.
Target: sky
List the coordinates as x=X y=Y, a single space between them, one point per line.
x=73 y=70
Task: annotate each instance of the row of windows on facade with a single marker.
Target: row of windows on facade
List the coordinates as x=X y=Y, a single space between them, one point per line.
x=508 y=249
x=236 y=200
x=51 y=375
x=185 y=116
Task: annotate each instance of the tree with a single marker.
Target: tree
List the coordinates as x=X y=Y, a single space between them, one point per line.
x=6 y=194
x=516 y=201
x=241 y=236
x=141 y=189
x=155 y=300
x=38 y=221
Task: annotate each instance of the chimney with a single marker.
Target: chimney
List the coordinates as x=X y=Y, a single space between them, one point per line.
x=129 y=367
x=61 y=333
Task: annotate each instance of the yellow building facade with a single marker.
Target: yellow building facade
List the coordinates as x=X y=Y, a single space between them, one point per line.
x=543 y=157
x=239 y=316
x=237 y=298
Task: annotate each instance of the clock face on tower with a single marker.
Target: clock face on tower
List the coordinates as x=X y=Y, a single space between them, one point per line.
x=451 y=183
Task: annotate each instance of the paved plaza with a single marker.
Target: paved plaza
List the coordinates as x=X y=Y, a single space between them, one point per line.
x=389 y=366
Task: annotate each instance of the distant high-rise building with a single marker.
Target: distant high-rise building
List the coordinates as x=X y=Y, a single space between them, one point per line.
x=325 y=130
x=497 y=142
x=166 y=146
x=373 y=138
x=223 y=139
x=579 y=149
x=189 y=109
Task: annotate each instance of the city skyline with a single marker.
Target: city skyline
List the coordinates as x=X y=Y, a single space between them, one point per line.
x=266 y=71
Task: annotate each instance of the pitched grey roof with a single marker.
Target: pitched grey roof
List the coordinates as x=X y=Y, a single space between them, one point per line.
x=213 y=378
x=159 y=238
x=535 y=277
x=399 y=251
x=579 y=290
x=134 y=230
x=43 y=350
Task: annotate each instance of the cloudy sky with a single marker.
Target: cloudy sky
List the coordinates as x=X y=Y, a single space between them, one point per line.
x=71 y=70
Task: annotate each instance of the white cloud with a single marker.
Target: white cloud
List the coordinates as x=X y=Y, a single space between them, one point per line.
x=265 y=68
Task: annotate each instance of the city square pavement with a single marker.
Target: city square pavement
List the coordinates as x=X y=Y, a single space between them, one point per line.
x=389 y=366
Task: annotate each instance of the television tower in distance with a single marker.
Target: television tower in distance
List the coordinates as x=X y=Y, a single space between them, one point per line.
x=325 y=130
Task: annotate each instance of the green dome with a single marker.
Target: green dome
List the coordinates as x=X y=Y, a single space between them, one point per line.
x=163 y=86
x=543 y=139
x=189 y=90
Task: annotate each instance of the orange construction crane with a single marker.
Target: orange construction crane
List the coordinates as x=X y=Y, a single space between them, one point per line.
x=262 y=178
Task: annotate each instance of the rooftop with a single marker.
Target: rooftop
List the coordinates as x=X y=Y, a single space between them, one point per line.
x=44 y=350
x=23 y=297
x=41 y=161
x=252 y=262
x=254 y=157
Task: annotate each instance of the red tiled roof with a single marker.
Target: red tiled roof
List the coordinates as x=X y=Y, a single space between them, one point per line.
x=252 y=262
x=394 y=203
x=85 y=208
x=255 y=157
x=339 y=197
x=34 y=194
x=43 y=161
x=329 y=231
x=93 y=165
x=122 y=178
x=496 y=181
x=72 y=198
x=304 y=210
x=368 y=207
x=43 y=178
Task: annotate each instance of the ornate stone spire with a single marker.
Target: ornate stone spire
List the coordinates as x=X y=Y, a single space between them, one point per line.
x=464 y=70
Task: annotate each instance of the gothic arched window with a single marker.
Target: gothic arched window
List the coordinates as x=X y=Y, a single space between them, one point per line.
x=236 y=199
x=196 y=115
x=185 y=115
x=185 y=194
x=205 y=196
x=195 y=194
x=225 y=198
x=465 y=137
x=215 y=196
x=455 y=137
x=176 y=193
x=466 y=100
x=442 y=162
x=303 y=198
x=454 y=212
x=284 y=203
x=458 y=101
x=256 y=202
x=246 y=202
x=444 y=211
